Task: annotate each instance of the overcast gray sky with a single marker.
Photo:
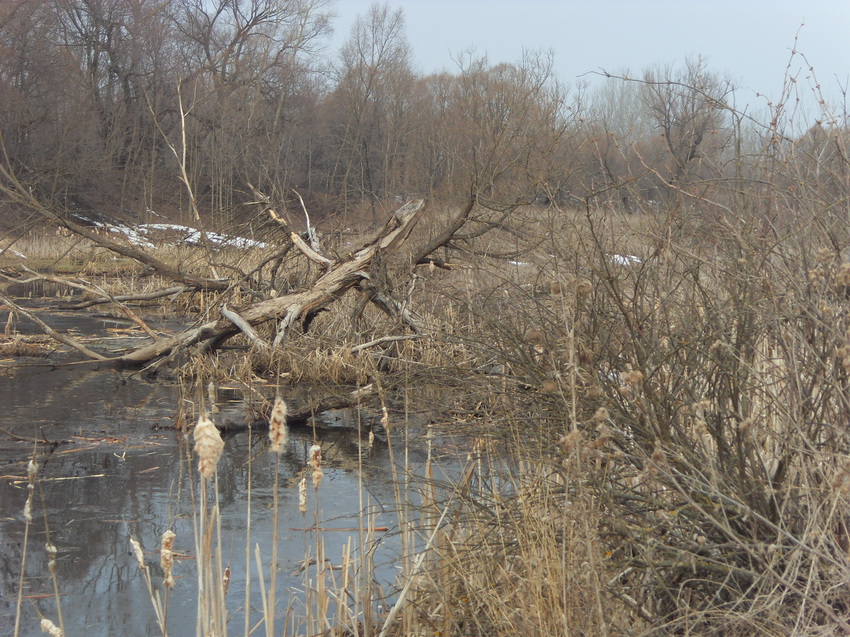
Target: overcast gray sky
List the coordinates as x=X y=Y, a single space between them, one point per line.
x=750 y=40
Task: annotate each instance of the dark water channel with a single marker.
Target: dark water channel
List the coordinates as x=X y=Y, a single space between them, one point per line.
x=113 y=466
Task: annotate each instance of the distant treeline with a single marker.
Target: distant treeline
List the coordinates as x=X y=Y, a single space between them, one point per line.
x=102 y=101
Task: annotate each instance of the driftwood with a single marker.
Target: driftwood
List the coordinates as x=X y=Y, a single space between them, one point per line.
x=141 y=296
x=301 y=417
x=289 y=309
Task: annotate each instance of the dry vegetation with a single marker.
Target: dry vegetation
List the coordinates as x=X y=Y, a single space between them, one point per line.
x=656 y=447
x=634 y=307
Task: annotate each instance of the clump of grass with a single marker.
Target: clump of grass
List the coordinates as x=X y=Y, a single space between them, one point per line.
x=19 y=346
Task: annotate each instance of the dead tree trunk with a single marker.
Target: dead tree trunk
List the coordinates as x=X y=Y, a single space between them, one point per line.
x=290 y=309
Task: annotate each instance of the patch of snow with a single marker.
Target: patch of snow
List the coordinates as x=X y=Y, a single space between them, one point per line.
x=141 y=235
x=625 y=259
x=133 y=237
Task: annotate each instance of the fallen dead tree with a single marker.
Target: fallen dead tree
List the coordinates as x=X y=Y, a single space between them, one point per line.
x=296 y=308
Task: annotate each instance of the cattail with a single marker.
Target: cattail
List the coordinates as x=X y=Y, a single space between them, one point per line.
x=633 y=378
x=208 y=445
x=570 y=441
x=211 y=397
x=51 y=555
x=302 y=495
x=277 y=425
x=50 y=628
x=549 y=386
x=594 y=392
x=315 y=462
x=32 y=471
x=166 y=559
x=137 y=551
x=631 y=382
x=225 y=582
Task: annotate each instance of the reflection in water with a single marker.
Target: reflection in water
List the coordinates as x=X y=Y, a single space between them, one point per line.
x=110 y=470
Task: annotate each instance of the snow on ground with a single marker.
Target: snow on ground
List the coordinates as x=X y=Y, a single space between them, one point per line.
x=191 y=236
x=625 y=259
x=143 y=235
x=132 y=236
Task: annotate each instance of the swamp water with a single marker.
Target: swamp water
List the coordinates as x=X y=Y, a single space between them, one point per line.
x=112 y=466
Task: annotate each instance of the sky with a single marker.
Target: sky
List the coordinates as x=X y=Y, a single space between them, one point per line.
x=750 y=41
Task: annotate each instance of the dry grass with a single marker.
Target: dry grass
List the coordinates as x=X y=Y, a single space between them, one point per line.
x=19 y=346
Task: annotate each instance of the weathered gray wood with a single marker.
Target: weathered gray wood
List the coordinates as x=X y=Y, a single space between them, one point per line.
x=300 y=306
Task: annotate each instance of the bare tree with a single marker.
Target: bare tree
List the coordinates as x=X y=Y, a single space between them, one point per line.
x=689 y=107
x=374 y=83
x=244 y=63
x=494 y=138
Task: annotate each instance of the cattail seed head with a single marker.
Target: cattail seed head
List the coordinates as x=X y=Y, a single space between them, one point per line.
x=631 y=382
x=208 y=445
x=137 y=552
x=166 y=559
x=302 y=495
x=549 y=386
x=633 y=378
x=211 y=397
x=570 y=441
x=32 y=471
x=277 y=425
x=50 y=628
x=51 y=555
x=594 y=392
x=315 y=462
x=225 y=582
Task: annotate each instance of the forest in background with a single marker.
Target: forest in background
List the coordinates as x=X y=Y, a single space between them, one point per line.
x=103 y=102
